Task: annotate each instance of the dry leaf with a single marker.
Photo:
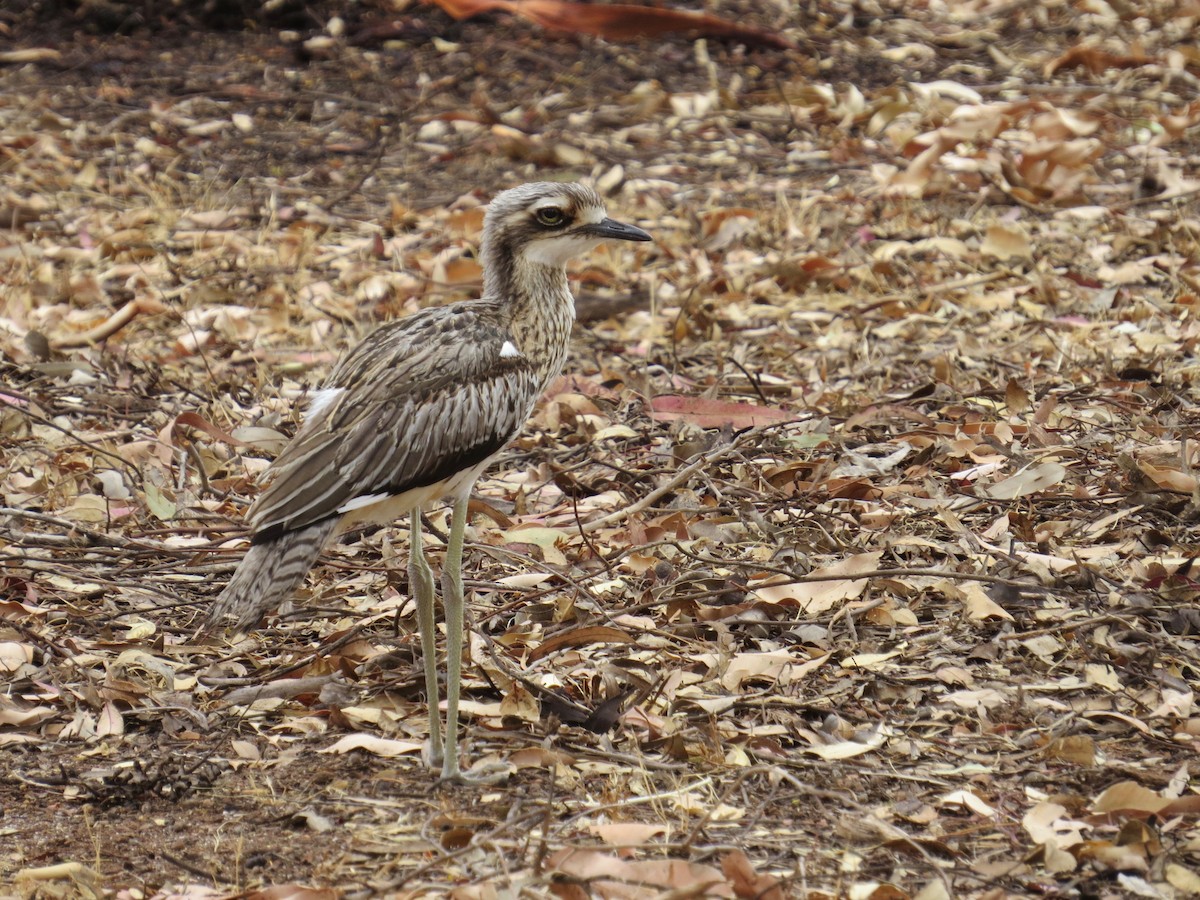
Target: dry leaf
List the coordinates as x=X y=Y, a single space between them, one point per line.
x=373 y=744
x=580 y=637
x=1169 y=479
x=816 y=597
x=709 y=413
x=1128 y=795
x=1032 y=480
x=617 y=22
x=1094 y=60
x=1006 y=242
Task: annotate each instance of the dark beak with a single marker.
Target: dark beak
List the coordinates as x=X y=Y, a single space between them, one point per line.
x=611 y=228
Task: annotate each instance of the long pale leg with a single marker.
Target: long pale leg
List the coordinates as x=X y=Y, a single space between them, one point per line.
x=452 y=598
x=420 y=583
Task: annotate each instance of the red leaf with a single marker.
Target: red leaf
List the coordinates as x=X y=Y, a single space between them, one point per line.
x=708 y=413
x=616 y=22
x=1095 y=61
x=166 y=436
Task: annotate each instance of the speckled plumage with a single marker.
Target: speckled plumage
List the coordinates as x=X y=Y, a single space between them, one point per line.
x=415 y=412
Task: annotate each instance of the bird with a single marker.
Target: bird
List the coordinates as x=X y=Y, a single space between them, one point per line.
x=414 y=413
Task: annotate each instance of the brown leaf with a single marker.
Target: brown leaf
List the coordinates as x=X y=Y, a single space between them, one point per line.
x=166 y=434
x=195 y=420
x=1016 y=398
x=1129 y=795
x=579 y=637
x=1188 y=805
x=293 y=892
x=746 y=882
x=1079 y=749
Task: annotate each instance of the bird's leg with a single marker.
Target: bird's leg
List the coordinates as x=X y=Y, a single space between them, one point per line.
x=452 y=598
x=420 y=583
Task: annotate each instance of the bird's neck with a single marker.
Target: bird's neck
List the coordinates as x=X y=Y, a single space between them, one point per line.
x=540 y=305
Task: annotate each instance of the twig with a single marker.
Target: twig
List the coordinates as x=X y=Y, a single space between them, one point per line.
x=95 y=537
x=1156 y=198
x=532 y=686
x=627 y=802
x=111 y=325
x=681 y=477
x=1070 y=625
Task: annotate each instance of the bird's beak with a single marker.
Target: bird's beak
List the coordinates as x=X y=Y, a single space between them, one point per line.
x=611 y=228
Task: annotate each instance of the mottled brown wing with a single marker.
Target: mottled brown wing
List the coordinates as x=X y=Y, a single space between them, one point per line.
x=420 y=400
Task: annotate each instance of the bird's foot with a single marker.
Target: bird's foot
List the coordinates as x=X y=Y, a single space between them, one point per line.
x=432 y=754
x=492 y=772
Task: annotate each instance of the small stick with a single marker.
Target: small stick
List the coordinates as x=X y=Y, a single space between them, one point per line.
x=111 y=325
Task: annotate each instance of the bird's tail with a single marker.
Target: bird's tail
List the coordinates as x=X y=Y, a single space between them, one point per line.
x=268 y=574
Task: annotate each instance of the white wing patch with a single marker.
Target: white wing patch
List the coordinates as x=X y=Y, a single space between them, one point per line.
x=510 y=351
x=322 y=400
x=360 y=502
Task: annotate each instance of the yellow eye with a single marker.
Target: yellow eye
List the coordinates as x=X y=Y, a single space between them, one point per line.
x=550 y=216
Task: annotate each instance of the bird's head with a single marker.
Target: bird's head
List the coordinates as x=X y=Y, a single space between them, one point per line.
x=548 y=223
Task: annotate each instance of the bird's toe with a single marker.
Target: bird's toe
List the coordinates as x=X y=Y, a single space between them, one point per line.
x=493 y=772
x=432 y=754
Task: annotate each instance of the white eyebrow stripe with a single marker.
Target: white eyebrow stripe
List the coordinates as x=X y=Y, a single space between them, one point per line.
x=509 y=351
x=592 y=215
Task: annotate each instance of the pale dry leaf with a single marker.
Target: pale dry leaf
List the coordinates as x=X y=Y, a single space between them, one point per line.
x=246 y=750
x=1003 y=241
x=969 y=800
x=871 y=661
x=628 y=834
x=1183 y=879
x=14 y=655
x=986 y=698
x=849 y=749
x=816 y=597
x=1032 y=480
x=378 y=746
x=547 y=539
x=1047 y=823
x=29 y=55
x=1129 y=795
x=978 y=605
x=1170 y=479
x=772 y=666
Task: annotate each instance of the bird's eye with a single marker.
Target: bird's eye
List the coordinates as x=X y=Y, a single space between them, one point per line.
x=550 y=216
